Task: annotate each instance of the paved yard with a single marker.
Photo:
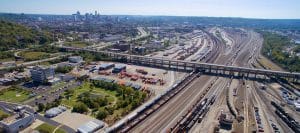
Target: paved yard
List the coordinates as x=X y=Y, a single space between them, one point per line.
x=73 y=120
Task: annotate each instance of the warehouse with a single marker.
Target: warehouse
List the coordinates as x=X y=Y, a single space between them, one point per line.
x=118 y=68
x=91 y=126
x=106 y=66
x=103 y=79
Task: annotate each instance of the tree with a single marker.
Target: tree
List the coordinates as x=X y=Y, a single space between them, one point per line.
x=64 y=69
x=69 y=93
x=80 y=108
x=102 y=113
x=41 y=107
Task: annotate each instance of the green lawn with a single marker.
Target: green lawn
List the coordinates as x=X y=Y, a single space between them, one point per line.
x=58 y=85
x=77 y=44
x=14 y=95
x=46 y=128
x=31 y=56
x=111 y=95
x=7 y=59
x=3 y=115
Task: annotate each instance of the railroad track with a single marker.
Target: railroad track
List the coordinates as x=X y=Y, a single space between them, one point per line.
x=158 y=103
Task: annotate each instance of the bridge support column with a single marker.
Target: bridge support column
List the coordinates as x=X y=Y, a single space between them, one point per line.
x=231 y=73
x=129 y=59
x=184 y=66
x=149 y=62
x=169 y=64
x=177 y=65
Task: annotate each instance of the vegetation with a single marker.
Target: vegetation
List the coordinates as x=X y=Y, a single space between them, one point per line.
x=46 y=49
x=77 y=44
x=274 y=47
x=13 y=35
x=6 y=55
x=80 y=108
x=42 y=107
x=3 y=115
x=88 y=56
x=46 y=128
x=106 y=101
x=32 y=56
x=64 y=69
x=128 y=99
x=14 y=94
x=82 y=93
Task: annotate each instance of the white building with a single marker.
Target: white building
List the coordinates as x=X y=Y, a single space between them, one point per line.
x=75 y=59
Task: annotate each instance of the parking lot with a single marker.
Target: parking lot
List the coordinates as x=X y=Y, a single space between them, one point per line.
x=152 y=79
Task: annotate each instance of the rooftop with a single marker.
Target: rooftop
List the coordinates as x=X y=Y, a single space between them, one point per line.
x=15 y=117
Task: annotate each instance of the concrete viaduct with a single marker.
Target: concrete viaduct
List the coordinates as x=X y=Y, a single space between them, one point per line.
x=190 y=66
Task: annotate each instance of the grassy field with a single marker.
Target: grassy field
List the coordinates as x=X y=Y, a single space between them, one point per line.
x=3 y=115
x=14 y=95
x=32 y=56
x=7 y=59
x=110 y=95
x=77 y=44
x=46 y=128
x=270 y=65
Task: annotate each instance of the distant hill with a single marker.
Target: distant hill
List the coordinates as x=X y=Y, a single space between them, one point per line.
x=14 y=35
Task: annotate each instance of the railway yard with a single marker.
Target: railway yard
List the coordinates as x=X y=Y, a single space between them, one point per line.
x=151 y=69
x=203 y=103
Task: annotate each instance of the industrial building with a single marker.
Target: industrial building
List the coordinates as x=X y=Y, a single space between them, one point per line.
x=98 y=78
x=106 y=66
x=91 y=126
x=15 y=123
x=75 y=59
x=118 y=68
x=41 y=74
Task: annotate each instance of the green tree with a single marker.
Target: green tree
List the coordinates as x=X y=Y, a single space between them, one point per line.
x=41 y=107
x=80 y=108
x=102 y=113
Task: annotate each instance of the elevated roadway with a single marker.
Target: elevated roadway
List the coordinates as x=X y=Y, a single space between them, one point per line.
x=190 y=66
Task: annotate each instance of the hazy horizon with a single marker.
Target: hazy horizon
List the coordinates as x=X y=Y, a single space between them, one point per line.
x=261 y=9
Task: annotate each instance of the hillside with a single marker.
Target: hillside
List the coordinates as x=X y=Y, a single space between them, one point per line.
x=14 y=35
x=275 y=48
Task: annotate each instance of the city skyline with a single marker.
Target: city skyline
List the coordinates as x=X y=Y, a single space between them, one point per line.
x=267 y=9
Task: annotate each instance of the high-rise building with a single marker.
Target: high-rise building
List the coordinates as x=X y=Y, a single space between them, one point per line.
x=78 y=13
x=41 y=74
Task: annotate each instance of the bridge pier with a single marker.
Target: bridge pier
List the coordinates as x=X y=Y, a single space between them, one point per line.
x=169 y=64
x=231 y=73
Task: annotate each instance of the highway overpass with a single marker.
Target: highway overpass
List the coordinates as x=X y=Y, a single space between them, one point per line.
x=190 y=66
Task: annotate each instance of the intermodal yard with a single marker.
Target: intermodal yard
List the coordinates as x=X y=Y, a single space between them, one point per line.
x=204 y=103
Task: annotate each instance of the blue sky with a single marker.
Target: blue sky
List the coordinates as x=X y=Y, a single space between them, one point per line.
x=216 y=8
